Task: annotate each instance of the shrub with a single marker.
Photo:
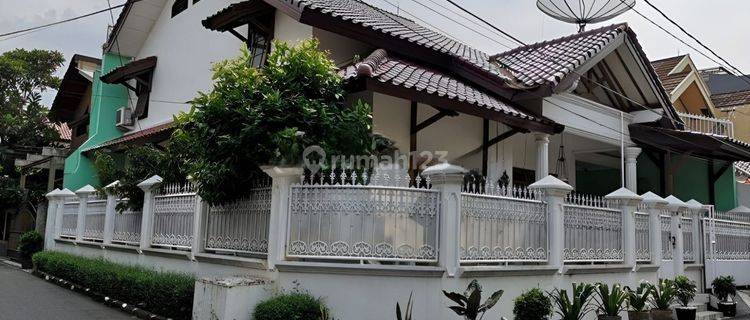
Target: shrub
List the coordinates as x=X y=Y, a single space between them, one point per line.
x=610 y=302
x=291 y=306
x=469 y=304
x=638 y=299
x=164 y=293
x=532 y=305
x=30 y=243
x=574 y=307
x=663 y=294
x=724 y=287
x=686 y=290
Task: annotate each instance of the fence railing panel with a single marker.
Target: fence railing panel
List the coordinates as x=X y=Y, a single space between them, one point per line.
x=70 y=219
x=732 y=239
x=174 y=208
x=688 y=250
x=95 y=212
x=666 y=232
x=127 y=226
x=241 y=226
x=592 y=234
x=363 y=222
x=705 y=124
x=502 y=229
x=642 y=242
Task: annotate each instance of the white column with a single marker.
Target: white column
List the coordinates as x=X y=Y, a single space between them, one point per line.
x=53 y=199
x=554 y=192
x=628 y=202
x=199 y=226
x=542 y=155
x=676 y=209
x=147 y=218
x=63 y=196
x=631 y=172
x=283 y=177
x=698 y=210
x=83 y=198
x=110 y=211
x=655 y=206
x=448 y=179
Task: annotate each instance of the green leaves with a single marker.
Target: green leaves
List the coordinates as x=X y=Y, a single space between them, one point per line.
x=407 y=315
x=469 y=303
x=577 y=306
x=638 y=299
x=532 y=305
x=610 y=302
x=724 y=287
x=686 y=290
x=663 y=294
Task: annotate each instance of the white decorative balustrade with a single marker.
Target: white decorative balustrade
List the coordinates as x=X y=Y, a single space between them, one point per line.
x=242 y=226
x=500 y=225
x=69 y=219
x=642 y=240
x=666 y=234
x=364 y=222
x=688 y=250
x=699 y=123
x=732 y=216
x=174 y=209
x=593 y=232
x=95 y=212
x=732 y=239
x=127 y=225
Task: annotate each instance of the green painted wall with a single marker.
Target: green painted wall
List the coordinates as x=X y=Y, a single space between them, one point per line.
x=105 y=100
x=726 y=191
x=691 y=180
x=648 y=175
x=597 y=182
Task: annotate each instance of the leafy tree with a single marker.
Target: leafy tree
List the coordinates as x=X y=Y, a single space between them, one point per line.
x=254 y=117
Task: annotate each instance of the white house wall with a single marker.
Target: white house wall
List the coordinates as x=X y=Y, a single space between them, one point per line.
x=587 y=118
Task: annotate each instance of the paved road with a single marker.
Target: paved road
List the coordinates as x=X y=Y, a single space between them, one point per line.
x=26 y=297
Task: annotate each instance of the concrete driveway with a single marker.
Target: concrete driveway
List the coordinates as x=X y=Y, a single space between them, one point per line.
x=26 y=297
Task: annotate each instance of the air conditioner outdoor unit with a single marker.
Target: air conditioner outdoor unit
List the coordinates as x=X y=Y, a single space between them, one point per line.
x=124 y=118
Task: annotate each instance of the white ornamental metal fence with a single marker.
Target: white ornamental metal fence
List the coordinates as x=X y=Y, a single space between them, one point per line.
x=347 y=220
x=666 y=237
x=593 y=231
x=501 y=225
x=94 y=222
x=241 y=226
x=708 y=125
x=688 y=246
x=732 y=239
x=127 y=225
x=732 y=216
x=69 y=219
x=174 y=209
x=642 y=242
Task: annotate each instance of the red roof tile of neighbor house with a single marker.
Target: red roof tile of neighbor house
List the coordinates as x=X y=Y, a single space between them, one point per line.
x=407 y=74
x=664 y=66
x=730 y=99
x=62 y=128
x=154 y=134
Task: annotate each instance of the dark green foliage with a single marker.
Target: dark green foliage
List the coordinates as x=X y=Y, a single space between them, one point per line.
x=610 y=302
x=724 y=287
x=469 y=304
x=577 y=306
x=291 y=306
x=663 y=294
x=686 y=290
x=407 y=314
x=255 y=117
x=30 y=243
x=532 y=305
x=638 y=298
x=164 y=293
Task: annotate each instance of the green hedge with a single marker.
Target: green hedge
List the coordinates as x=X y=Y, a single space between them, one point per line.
x=167 y=294
x=291 y=306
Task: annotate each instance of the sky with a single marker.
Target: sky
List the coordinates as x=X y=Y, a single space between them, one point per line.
x=721 y=24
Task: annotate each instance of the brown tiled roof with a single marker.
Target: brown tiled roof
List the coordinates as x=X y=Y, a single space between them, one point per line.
x=407 y=74
x=664 y=66
x=62 y=128
x=550 y=61
x=730 y=99
x=154 y=134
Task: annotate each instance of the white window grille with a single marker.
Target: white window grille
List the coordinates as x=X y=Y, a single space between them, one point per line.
x=127 y=225
x=174 y=208
x=732 y=239
x=95 y=212
x=666 y=234
x=70 y=219
x=688 y=250
x=642 y=244
x=593 y=231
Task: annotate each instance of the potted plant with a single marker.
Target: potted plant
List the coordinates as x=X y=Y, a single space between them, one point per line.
x=532 y=305
x=469 y=304
x=723 y=288
x=638 y=301
x=685 y=292
x=610 y=302
x=662 y=296
x=30 y=243
x=575 y=307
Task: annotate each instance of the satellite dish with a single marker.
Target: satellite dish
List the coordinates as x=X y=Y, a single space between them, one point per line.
x=583 y=12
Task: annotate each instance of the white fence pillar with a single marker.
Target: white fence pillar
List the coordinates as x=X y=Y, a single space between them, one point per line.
x=542 y=155
x=83 y=198
x=631 y=171
x=628 y=202
x=283 y=177
x=63 y=196
x=676 y=209
x=147 y=218
x=697 y=209
x=554 y=192
x=199 y=226
x=53 y=198
x=110 y=211
x=448 y=179
x=655 y=206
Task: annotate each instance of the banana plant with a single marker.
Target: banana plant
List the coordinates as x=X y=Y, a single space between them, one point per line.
x=469 y=303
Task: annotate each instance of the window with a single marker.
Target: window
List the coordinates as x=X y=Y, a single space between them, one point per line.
x=179 y=6
x=523 y=177
x=260 y=32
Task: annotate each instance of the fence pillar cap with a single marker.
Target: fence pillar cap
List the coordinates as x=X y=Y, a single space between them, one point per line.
x=66 y=193
x=112 y=185
x=53 y=194
x=149 y=183
x=694 y=205
x=85 y=190
x=625 y=195
x=675 y=204
x=654 y=200
x=550 y=183
x=740 y=209
x=280 y=171
x=444 y=168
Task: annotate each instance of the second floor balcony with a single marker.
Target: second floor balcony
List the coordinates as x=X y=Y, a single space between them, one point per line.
x=704 y=124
